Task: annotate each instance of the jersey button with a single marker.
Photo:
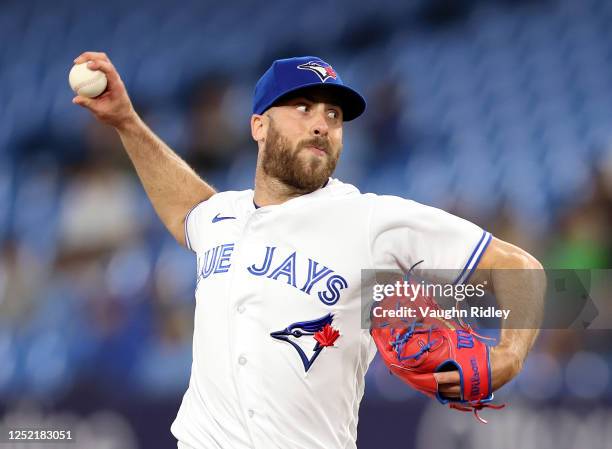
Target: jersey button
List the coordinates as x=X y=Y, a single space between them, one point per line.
x=242 y=360
x=240 y=309
x=251 y=413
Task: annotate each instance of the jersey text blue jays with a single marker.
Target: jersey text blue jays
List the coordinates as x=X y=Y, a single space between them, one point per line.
x=300 y=272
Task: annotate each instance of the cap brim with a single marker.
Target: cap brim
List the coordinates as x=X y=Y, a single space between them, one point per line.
x=350 y=101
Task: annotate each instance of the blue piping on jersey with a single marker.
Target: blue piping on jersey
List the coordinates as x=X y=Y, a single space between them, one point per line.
x=477 y=253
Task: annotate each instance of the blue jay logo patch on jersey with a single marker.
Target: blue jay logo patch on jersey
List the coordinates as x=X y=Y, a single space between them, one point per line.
x=324 y=72
x=319 y=332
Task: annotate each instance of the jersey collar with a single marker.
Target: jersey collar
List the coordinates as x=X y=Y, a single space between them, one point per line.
x=324 y=185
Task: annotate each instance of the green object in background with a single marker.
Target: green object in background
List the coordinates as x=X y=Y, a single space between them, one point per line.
x=578 y=254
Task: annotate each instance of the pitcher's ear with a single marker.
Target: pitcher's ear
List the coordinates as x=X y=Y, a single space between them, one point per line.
x=259 y=126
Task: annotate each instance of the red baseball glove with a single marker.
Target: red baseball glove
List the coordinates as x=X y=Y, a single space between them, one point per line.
x=416 y=348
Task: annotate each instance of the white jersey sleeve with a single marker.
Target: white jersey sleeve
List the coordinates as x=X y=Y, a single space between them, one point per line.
x=201 y=222
x=198 y=221
x=405 y=233
x=193 y=223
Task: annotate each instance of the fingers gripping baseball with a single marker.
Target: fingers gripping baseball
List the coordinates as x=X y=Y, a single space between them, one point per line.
x=91 y=56
x=113 y=106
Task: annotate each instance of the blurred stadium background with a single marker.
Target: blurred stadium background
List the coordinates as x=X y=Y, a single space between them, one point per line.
x=498 y=111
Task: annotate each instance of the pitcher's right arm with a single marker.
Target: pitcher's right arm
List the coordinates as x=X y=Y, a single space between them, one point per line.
x=171 y=185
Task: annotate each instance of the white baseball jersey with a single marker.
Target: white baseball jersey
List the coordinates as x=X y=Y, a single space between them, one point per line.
x=279 y=355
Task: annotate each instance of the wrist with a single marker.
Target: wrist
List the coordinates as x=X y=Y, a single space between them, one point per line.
x=506 y=363
x=128 y=124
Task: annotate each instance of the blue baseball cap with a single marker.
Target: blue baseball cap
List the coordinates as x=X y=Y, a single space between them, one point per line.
x=286 y=77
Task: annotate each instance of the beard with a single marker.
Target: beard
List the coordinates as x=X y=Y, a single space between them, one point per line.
x=305 y=174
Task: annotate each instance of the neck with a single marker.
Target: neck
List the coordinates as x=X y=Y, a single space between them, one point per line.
x=270 y=191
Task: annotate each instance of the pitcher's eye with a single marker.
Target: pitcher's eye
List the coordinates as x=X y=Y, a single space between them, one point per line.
x=302 y=107
x=332 y=114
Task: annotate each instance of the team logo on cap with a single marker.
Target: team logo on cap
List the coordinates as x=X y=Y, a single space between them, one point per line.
x=309 y=338
x=324 y=72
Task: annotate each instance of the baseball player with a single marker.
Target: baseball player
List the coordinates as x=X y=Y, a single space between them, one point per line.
x=279 y=355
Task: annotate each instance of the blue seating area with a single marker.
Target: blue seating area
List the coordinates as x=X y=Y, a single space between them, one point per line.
x=512 y=101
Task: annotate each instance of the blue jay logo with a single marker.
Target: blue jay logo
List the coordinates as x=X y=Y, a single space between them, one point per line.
x=324 y=72
x=320 y=330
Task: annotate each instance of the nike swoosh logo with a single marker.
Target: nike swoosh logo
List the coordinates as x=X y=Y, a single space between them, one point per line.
x=217 y=218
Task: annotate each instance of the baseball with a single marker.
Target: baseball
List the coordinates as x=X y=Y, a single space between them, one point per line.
x=86 y=82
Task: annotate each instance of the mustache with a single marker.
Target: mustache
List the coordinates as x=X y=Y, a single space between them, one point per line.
x=319 y=142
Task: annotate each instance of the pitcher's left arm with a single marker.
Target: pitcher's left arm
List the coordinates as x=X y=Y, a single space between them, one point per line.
x=517 y=280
